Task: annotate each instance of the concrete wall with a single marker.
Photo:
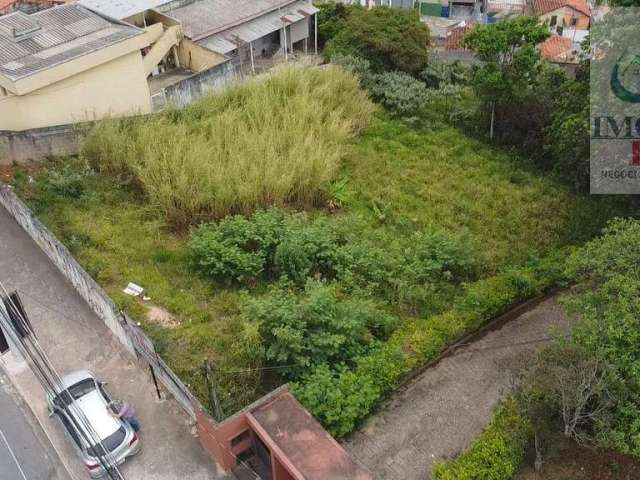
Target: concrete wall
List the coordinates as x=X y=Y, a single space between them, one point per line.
x=216 y=437
x=124 y=329
x=38 y=144
x=192 y=88
x=196 y=58
x=88 y=289
x=116 y=88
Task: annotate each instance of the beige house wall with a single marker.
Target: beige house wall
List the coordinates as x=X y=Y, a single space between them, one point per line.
x=567 y=13
x=115 y=88
x=196 y=58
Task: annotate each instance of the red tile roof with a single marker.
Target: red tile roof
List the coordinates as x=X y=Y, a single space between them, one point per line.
x=540 y=7
x=558 y=49
x=455 y=38
x=6 y=4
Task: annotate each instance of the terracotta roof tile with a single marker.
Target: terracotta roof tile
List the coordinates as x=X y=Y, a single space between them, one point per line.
x=558 y=49
x=540 y=7
x=5 y=4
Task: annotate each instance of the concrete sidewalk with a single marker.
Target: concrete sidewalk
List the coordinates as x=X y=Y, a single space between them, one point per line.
x=75 y=338
x=441 y=411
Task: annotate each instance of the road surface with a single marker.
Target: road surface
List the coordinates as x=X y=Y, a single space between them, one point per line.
x=25 y=453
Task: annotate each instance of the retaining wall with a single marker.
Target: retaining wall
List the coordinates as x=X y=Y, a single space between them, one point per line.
x=194 y=87
x=37 y=144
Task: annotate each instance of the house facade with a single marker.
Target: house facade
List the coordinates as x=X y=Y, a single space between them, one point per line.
x=561 y=14
x=67 y=64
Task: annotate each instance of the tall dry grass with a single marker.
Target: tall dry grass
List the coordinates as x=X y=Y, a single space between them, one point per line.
x=273 y=140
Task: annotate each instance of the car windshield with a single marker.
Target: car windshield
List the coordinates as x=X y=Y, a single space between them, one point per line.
x=110 y=443
x=77 y=391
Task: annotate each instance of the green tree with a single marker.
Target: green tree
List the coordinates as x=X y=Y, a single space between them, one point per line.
x=390 y=39
x=510 y=59
x=608 y=304
x=330 y=20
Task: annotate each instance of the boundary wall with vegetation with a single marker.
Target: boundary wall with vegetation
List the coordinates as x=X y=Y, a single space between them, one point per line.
x=124 y=328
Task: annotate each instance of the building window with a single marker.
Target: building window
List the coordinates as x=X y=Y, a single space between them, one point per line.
x=554 y=21
x=574 y=22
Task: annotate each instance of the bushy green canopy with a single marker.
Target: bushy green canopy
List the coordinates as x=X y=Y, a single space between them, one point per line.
x=390 y=39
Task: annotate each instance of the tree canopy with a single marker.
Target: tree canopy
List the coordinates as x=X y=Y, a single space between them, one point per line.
x=390 y=39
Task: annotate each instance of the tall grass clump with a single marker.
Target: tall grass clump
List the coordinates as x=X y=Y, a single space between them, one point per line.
x=273 y=140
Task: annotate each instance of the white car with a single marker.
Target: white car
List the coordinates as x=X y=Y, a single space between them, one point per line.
x=118 y=438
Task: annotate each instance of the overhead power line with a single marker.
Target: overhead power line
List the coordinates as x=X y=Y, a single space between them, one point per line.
x=19 y=331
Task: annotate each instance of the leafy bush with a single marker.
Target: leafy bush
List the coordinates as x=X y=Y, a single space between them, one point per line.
x=497 y=453
x=398 y=92
x=440 y=255
x=608 y=303
x=440 y=72
x=273 y=140
x=67 y=181
x=414 y=343
x=338 y=398
x=389 y=38
x=357 y=65
x=236 y=249
x=315 y=328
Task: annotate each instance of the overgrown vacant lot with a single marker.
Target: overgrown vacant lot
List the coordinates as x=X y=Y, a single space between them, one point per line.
x=396 y=224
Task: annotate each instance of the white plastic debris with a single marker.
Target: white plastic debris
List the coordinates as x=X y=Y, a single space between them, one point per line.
x=133 y=290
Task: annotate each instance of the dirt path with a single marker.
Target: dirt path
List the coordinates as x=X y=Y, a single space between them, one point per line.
x=441 y=411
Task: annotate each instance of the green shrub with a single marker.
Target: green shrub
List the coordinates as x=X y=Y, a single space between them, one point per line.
x=398 y=92
x=315 y=328
x=67 y=181
x=271 y=141
x=364 y=267
x=338 y=398
x=228 y=251
x=293 y=259
x=359 y=66
x=441 y=255
x=416 y=342
x=497 y=453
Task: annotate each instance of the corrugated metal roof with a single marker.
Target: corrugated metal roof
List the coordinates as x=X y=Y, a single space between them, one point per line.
x=122 y=8
x=225 y=42
x=225 y=32
x=33 y=43
x=207 y=17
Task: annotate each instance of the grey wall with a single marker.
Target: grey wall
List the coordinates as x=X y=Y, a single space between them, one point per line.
x=37 y=144
x=191 y=89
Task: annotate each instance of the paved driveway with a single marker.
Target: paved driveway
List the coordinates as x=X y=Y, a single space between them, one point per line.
x=75 y=338
x=441 y=411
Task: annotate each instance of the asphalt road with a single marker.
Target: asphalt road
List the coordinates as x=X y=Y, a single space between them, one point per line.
x=25 y=454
